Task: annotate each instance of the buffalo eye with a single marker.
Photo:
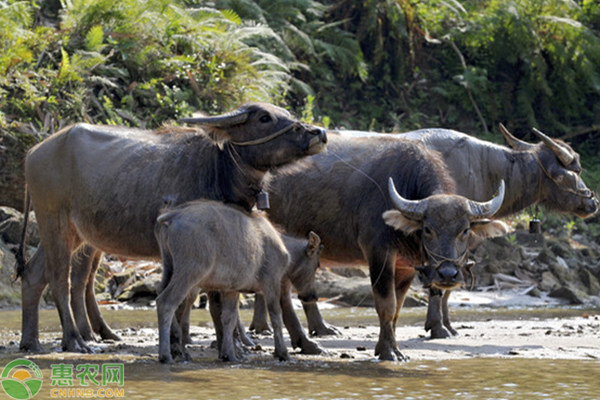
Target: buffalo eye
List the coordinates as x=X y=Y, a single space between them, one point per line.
x=427 y=231
x=466 y=232
x=265 y=118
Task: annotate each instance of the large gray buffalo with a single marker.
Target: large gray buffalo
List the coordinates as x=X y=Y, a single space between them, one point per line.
x=343 y=196
x=547 y=173
x=99 y=188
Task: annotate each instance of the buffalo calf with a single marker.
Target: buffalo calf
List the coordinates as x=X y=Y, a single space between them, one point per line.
x=225 y=248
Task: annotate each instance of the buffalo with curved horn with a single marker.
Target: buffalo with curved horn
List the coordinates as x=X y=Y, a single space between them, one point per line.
x=340 y=195
x=547 y=173
x=100 y=188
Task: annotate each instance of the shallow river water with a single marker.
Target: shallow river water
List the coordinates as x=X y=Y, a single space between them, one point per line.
x=314 y=378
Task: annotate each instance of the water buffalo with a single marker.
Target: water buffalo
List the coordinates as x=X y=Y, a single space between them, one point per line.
x=225 y=248
x=546 y=173
x=102 y=187
x=341 y=196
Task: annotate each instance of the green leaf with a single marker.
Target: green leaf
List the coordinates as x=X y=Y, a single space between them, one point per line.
x=94 y=38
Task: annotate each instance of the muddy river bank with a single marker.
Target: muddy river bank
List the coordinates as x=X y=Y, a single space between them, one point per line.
x=514 y=352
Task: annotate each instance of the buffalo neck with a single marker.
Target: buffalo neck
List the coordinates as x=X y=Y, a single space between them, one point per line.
x=238 y=181
x=524 y=185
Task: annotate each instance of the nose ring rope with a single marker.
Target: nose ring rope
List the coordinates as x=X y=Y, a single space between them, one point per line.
x=462 y=261
x=265 y=139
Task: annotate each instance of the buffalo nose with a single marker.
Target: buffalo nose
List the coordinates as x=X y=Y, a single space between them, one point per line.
x=320 y=132
x=448 y=272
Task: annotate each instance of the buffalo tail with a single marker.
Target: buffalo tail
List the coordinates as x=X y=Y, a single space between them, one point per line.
x=20 y=256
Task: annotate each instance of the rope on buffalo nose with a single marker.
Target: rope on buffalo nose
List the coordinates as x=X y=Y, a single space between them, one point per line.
x=265 y=139
x=461 y=261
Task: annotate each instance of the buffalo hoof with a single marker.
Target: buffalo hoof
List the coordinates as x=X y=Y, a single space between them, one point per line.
x=32 y=346
x=282 y=356
x=231 y=356
x=308 y=346
x=165 y=359
x=440 y=333
x=325 y=330
x=187 y=339
x=261 y=329
x=88 y=336
x=179 y=351
x=109 y=335
x=246 y=341
x=389 y=353
x=76 y=346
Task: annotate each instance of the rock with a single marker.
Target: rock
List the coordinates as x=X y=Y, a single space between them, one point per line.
x=532 y=240
x=546 y=256
x=10 y=293
x=353 y=291
x=11 y=227
x=350 y=272
x=570 y=294
x=561 y=248
x=548 y=282
x=559 y=270
x=147 y=287
x=122 y=277
x=590 y=281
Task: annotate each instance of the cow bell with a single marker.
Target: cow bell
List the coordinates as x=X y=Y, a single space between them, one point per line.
x=262 y=200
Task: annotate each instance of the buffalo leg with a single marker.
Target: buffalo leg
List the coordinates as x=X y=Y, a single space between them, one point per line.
x=292 y=324
x=273 y=298
x=60 y=240
x=169 y=331
x=81 y=270
x=403 y=276
x=316 y=324
x=183 y=314
x=215 y=306
x=99 y=325
x=33 y=283
x=434 y=315
x=381 y=266
x=446 y=314
x=259 y=322
x=215 y=303
x=229 y=321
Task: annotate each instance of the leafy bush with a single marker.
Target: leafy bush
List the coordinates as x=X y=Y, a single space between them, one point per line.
x=131 y=62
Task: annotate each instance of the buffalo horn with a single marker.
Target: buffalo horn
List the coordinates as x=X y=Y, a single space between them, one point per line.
x=235 y=117
x=512 y=141
x=489 y=208
x=563 y=156
x=413 y=209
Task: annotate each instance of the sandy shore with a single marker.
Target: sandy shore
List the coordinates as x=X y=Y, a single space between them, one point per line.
x=520 y=329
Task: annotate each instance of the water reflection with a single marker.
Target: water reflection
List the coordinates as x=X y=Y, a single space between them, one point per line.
x=314 y=378
x=475 y=379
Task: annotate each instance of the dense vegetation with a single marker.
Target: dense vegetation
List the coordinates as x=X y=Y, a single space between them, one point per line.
x=387 y=65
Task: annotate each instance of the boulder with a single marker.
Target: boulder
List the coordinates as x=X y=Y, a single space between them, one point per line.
x=11 y=227
x=571 y=294
x=10 y=292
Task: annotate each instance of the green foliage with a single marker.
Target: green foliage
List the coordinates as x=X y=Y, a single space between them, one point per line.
x=133 y=62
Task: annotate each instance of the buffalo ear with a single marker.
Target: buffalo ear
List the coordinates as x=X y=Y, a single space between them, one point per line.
x=218 y=135
x=314 y=244
x=487 y=228
x=399 y=222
